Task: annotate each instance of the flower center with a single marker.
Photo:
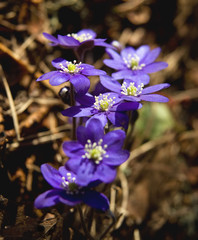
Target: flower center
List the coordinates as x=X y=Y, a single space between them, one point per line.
x=103 y=102
x=132 y=62
x=70 y=185
x=71 y=67
x=131 y=90
x=73 y=187
x=82 y=37
x=95 y=151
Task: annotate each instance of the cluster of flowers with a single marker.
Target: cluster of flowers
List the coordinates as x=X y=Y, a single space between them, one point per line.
x=98 y=151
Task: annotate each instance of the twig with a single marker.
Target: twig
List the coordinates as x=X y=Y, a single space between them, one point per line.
x=41 y=138
x=147 y=147
x=125 y=196
x=188 y=135
x=11 y=102
x=21 y=50
x=128 y=6
x=112 y=198
x=136 y=234
x=185 y=95
x=20 y=108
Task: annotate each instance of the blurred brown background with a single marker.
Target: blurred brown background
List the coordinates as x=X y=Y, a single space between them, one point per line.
x=155 y=195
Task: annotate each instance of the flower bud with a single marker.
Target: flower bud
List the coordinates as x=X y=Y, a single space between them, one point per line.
x=64 y=94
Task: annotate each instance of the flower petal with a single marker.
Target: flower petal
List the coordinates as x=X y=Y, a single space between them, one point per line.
x=46 y=76
x=87 y=31
x=63 y=170
x=127 y=51
x=116 y=158
x=51 y=175
x=59 y=78
x=130 y=98
x=51 y=38
x=154 y=67
x=142 y=51
x=69 y=199
x=114 y=140
x=86 y=66
x=73 y=164
x=107 y=82
x=100 y=116
x=95 y=130
x=123 y=74
x=115 y=64
x=98 y=89
x=126 y=106
x=96 y=200
x=85 y=100
x=47 y=199
x=113 y=54
x=68 y=41
x=77 y=111
x=155 y=88
x=82 y=135
x=105 y=173
x=118 y=119
x=56 y=62
x=80 y=83
x=154 y=98
x=73 y=148
x=93 y=72
x=86 y=172
x=151 y=56
x=139 y=77
x=100 y=43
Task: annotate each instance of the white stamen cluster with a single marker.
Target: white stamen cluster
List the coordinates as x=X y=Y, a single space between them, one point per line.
x=69 y=184
x=95 y=151
x=131 y=90
x=71 y=68
x=82 y=37
x=103 y=102
x=132 y=62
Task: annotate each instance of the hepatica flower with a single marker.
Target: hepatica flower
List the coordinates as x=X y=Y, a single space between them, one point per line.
x=85 y=37
x=105 y=107
x=134 y=64
x=76 y=73
x=95 y=155
x=66 y=190
x=134 y=90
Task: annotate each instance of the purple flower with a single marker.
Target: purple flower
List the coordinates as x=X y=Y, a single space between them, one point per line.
x=76 y=73
x=107 y=106
x=85 y=37
x=66 y=189
x=95 y=155
x=134 y=64
x=134 y=90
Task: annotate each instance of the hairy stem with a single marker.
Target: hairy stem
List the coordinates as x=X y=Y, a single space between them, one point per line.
x=87 y=234
x=109 y=227
x=73 y=119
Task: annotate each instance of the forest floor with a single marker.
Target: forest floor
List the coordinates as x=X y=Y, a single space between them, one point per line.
x=155 y=195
